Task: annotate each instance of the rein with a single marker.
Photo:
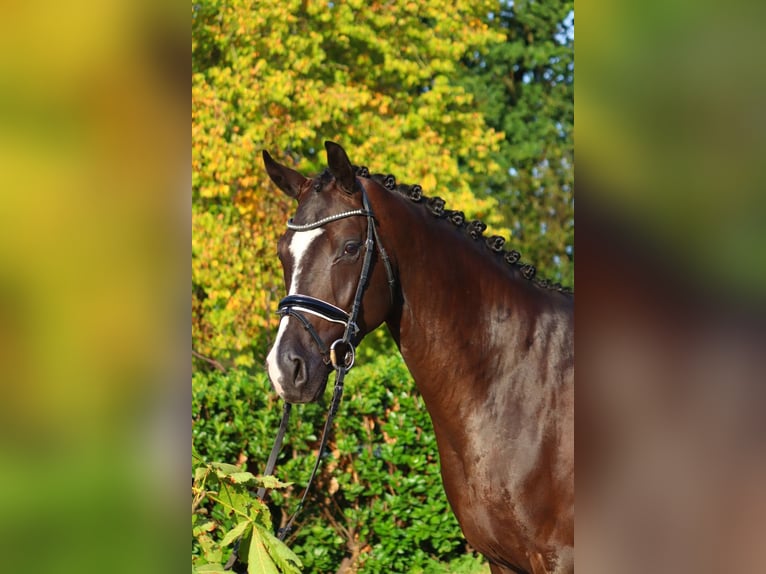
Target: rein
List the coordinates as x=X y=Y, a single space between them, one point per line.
x=296 y=306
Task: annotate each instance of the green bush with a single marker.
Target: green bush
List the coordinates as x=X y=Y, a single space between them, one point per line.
x=377 y=501
x=225 y=513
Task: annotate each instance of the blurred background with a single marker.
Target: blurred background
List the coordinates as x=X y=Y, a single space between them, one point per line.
x=472 y=100
x=94 y=251
x=671 y=433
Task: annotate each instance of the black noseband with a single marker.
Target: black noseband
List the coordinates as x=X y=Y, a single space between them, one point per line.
x=313 y=306
x=297 y=305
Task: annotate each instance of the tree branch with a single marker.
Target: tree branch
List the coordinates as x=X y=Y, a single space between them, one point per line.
x=218 y=366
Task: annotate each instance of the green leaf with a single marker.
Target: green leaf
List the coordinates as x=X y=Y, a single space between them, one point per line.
x=241 y=477
x=270 y=481
x=258 y=559
x=200 y=473
x=237 y=501
x=210 y=549
x=215 y=568
x=205 y=527
x=287 y=561
x=235 y=532
x=225 y=469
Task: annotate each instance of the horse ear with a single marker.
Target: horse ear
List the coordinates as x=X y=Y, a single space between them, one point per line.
x=340 y=166
x=286 y=179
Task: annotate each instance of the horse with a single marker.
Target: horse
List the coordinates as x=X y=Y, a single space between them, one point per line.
x=489 y=346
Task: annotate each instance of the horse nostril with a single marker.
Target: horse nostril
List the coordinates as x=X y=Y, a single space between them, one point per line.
x=299 y=371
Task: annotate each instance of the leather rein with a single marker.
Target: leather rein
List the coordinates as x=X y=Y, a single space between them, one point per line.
x=340 y=355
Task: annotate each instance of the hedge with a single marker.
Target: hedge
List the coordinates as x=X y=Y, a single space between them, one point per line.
x=377 y=502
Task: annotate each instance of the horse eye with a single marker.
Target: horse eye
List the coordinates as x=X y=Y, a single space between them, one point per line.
x=351 y=248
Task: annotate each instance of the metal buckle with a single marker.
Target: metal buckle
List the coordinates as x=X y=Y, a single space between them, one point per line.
x=348 y=359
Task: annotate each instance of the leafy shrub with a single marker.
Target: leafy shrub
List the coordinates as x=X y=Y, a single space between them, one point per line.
x=377 y=502
x=220 y=496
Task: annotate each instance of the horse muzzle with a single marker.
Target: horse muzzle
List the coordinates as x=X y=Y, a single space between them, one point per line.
x=297 y=377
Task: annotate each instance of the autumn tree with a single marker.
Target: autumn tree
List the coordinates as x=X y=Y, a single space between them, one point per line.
x=379 y=78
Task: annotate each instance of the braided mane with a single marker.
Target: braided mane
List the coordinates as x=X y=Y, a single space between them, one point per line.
x=473 y=229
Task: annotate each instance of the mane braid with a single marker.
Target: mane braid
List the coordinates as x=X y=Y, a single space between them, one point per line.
x=436 y=206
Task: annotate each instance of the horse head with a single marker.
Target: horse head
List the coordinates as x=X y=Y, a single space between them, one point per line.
x=336 y=291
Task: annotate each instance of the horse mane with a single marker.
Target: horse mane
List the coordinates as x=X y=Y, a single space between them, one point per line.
x=473 y=229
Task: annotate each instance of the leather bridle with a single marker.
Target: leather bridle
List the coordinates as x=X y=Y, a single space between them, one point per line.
x=298 y=306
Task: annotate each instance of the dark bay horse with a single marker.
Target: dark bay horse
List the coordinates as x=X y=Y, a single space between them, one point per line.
x=489 y=347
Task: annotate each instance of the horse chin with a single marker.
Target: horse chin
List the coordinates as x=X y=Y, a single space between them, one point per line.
x=320 y=390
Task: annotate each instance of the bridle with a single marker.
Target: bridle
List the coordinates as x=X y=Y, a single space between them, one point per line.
x=299 y=305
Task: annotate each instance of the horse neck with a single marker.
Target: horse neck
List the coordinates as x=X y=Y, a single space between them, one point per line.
x=461 y=309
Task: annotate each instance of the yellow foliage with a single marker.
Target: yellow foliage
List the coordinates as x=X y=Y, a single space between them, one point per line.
x=377 y=78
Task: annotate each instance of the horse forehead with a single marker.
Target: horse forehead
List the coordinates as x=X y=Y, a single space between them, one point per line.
x=299 y=246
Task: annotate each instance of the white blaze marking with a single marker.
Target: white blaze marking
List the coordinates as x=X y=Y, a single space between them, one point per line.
x=299 y=247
